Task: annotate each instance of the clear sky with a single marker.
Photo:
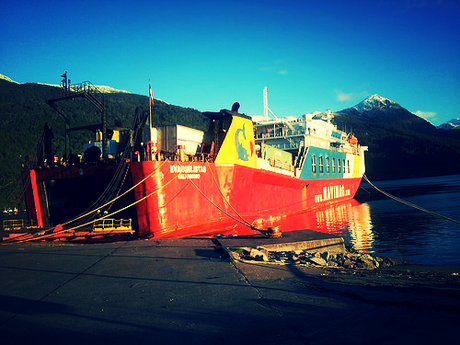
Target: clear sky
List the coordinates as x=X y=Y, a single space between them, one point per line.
x=312 y=55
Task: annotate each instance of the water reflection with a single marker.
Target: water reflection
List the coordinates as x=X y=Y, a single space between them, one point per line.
x=350 y=220
x=360 y=227
x=374 y=223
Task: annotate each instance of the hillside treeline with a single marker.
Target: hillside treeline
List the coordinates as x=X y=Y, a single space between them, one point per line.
x=400 y=146
x=24 y=113
x=404 y=147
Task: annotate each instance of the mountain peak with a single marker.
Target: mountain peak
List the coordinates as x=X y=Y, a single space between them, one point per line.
x=376 y=108
x=452 y=124
x=377 y=98
x=375 y=102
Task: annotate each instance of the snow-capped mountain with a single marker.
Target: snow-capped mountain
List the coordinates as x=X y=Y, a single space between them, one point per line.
x=376 y=102
x=452 y=124
x=101 y=88
x=376 y=107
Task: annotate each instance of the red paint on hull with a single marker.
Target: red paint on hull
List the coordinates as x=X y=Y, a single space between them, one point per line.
x=185 y=199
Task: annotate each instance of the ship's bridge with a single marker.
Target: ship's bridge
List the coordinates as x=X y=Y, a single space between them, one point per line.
x=290 y=133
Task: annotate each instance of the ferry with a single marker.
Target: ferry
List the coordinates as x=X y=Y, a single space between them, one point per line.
x=239 y=177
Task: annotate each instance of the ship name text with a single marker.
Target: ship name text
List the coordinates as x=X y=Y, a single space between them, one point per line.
x=332 y=192
x=187 y=172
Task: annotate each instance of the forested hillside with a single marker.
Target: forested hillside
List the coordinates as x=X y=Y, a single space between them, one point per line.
x=24 y=112
x=404 y=148
x=400 y=143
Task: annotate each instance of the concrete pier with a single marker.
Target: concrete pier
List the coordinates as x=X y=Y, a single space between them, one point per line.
x=185 y=291
x=290 y=241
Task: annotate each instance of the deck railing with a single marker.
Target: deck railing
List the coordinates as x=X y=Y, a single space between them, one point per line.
x=17 y=224
x=110 y=224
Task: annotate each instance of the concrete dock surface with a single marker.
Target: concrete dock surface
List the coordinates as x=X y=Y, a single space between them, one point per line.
x=186 y=291
x=310 y=240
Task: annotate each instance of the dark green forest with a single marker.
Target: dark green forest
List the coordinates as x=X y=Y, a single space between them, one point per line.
x=404 y=145
x=24 y=113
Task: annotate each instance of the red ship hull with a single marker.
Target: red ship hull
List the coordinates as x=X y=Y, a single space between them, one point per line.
x=226 y=185
x=185 y=199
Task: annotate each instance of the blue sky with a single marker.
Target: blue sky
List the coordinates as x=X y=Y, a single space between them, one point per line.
x=312 y=55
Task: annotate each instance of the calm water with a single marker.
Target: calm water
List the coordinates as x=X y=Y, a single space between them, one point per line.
x=374 y=223
x=380 y=225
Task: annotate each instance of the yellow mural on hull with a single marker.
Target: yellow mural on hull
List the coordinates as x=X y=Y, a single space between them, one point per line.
x=239 y=146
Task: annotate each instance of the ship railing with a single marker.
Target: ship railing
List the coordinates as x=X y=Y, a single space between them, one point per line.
x=110 y=224
x=204 y=157
x=18 y=224
x=287 y=144
x=354 y=150
x=174 y=156
x=278 y=164
x=278 y=134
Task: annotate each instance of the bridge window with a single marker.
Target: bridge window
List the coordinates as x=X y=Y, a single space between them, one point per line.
x=313 y=164
x=348 y=165
x=343 y=165
x=339 y=167
x=333 y=165
x=328 y=168
x=321 y=164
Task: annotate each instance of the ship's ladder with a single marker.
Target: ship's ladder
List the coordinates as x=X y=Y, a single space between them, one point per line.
x=300 y=159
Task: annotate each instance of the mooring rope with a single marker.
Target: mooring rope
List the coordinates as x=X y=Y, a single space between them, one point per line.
x=114 y=199
x=52 y=231
x=411 y=204
x=245 y=222
x=238 y=218
x=241 y=221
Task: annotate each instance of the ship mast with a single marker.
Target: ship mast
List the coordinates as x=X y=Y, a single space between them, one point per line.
x=266 y=108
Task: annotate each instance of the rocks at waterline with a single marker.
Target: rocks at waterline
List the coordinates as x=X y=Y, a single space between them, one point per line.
x=349 y=259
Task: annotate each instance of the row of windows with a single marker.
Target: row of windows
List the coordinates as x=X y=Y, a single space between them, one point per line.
x=345 y=164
